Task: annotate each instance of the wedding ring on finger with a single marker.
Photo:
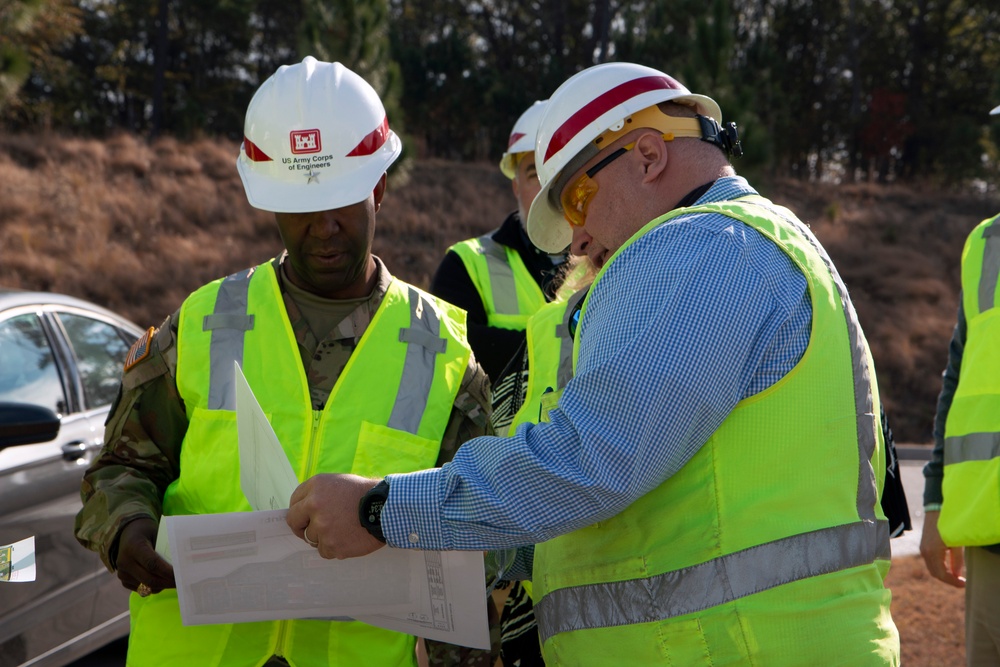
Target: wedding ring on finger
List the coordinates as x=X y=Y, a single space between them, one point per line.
x=305 y=534
x=143 y=590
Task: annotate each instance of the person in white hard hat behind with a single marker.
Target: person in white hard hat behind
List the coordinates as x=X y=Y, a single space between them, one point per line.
x=500 y=278
x=961 y=512
x=336 y=351
x=705 y=489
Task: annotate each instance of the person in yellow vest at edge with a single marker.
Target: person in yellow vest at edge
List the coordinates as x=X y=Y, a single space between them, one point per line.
x=359 y=372
x=500 y=278
x=962 y=479
x=706 y=490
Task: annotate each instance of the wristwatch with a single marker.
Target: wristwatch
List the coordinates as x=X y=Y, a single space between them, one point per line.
x=370 y=509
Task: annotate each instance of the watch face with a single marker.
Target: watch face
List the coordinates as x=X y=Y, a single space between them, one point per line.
x=374 y=510
x=370 y=509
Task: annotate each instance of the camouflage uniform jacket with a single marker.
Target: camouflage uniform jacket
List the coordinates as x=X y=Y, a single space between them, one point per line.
x=147 y=423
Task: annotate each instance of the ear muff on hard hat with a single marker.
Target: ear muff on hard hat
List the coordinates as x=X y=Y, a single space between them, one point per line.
x=522 y=138
x=315 y=138
x=583 y=108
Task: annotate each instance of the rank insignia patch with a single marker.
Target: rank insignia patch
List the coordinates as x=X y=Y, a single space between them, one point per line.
x=140 y=349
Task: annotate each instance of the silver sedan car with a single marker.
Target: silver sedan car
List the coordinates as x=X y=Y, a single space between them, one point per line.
x=64 y=355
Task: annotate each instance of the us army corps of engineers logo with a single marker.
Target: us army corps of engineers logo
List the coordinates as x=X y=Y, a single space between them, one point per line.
x=307 y=143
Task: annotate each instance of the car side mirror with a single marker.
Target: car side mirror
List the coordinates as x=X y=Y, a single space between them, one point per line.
x=25 y=424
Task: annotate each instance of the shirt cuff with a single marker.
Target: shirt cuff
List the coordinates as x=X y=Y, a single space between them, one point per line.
x=932 y=507
x=411 y=518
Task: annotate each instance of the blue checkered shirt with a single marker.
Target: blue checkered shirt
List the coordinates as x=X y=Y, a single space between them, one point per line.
x=693 y=317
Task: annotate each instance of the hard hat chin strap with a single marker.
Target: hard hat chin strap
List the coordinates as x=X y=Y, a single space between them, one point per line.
x=701 y=127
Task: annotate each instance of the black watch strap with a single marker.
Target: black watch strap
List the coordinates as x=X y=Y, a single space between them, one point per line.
x=370 y=509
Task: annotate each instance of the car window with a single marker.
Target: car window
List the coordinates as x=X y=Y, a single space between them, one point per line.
x=28 y=372
x=100 y=354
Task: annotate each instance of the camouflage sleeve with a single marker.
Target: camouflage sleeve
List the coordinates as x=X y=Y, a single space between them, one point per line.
x=470 y=418
x=142 y=441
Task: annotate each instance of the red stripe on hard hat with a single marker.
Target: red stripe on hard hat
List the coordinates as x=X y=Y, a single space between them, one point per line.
x=513 y=138
x=253 y=152
x=602 y=104
x=373 y=141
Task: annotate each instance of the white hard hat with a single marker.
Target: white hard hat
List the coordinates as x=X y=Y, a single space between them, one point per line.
x=586 y=105
x=995 y=111
x=316 y=138
x=522 y=138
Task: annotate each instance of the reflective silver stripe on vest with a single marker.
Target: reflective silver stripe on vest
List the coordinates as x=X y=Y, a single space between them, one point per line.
x=228 y=324
x=758 y=568
x=714 y=582
x=971 y=447
x=501 y=277
x=423 y=344
x=565 y=373
x=991 y=266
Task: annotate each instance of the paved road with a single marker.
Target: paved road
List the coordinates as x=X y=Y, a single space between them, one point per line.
x=913 y=485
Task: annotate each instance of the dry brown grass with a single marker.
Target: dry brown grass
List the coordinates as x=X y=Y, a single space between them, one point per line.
x=136 y=226
x=929 y=614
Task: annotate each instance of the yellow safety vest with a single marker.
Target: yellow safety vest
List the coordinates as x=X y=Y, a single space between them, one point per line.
x=970 y=513
x=769 y=547
x=510 y=294
x=386 y=414
x=550 y=358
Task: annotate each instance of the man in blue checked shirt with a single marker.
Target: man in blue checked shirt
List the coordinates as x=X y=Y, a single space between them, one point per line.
x=706 y=488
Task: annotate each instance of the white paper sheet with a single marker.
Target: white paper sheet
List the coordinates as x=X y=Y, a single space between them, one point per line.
x=266 y=476
x=249 y=566
x=17 y=561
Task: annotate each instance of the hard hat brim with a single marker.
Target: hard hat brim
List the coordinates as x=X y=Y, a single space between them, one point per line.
x=995 y=112
x=547 y=228
x=328 y=192
x=507 y=166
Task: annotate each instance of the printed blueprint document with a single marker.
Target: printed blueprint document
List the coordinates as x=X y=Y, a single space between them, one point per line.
x=249 y=566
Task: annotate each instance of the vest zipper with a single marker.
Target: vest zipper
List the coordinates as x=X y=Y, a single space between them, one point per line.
x=313 y=452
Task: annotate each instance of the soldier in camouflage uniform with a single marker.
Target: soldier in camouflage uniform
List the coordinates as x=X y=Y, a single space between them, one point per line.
x=330 y=298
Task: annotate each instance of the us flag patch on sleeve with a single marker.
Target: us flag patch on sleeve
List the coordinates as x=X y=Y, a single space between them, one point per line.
x=140 y=349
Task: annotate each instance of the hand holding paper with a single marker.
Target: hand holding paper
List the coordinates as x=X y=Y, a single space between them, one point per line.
x=328 y=506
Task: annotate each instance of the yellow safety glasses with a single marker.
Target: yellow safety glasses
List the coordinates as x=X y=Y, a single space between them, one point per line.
x=576 y=197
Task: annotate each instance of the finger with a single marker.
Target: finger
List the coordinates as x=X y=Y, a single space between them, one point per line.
x=128 y=581
x=300 y=492
x=297 y=519
x=161 y=574
x=957 y=562
x=938 y=568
